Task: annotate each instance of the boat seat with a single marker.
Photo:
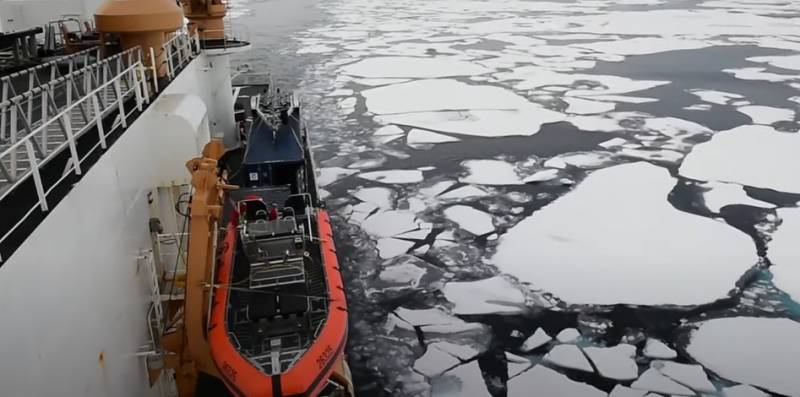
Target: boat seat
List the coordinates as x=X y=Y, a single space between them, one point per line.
x=292 y=304
x=263 y=306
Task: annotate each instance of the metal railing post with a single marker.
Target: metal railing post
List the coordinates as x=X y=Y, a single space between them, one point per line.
x=120 y=101
x=3 y=112
x=136 y=88
x=30 y=98
x=155 y=71
x=13 y=140
x=98 y=120
x=73 y=148
x=37 y=178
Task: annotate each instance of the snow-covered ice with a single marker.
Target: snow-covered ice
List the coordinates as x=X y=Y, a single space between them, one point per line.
x=760 y=74
x=390 y=223
x=585 y=106
x=743 y=391
x=403 y=273
x=720 y=194
x=417 y=137
x=388 y=130
x=539 y=338
x=652 y=380
x=490 y=172
x=524 y=120
x=541 y=176
x=464 y=192
x=568 y=335
x=440 y=94
x=389 y=247
x=716 y=97
x=791 y=62
x=616 y=362
x=568 y=356
x=329 y=175
x=733 y=347
x=644 y=45
x=435 y=362
x=584 y=159
x=784 y=253
x=379 y=196
x=613 y=142
x=517 y=364
x=622 y=391
x=469 y=219
x=463 y=380
x=771 y=166
x=393 y=176
x=655 y=348
x=689 y=375
x=549 y=383
x=767 y=114
x=494 y=295
x=395 y=67
x=617 y=228
x=435 y=320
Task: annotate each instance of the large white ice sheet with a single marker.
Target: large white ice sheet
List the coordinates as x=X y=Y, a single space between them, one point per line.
x=494 y=295
x=393 y=67
x=549 y=383
x=751 y=155
x=762 y=352
x=617 y=228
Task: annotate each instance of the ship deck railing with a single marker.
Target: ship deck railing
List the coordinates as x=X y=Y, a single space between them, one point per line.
x=56 y=118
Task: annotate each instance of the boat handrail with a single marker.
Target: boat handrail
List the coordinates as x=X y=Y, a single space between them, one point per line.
x=309 y=211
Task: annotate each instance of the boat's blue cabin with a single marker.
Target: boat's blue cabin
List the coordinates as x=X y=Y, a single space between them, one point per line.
x=274 y=157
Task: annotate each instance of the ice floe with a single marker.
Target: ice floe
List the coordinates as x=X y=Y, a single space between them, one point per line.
x=388 y=130
x=417 y=137
x=700 y=107
x=394 y=67
x=517 y=364
x=379 y=196
x=568 y=335
x=435 y=321
x=719 y=194
x=329 y=175
x=494 y=295
x=767 y=114
x=549 y=383
x=403 y=273
x=463 y=380
x=688 y=375
x=613 y=142
x=379 y=82
x=652 y=380
x=770 y=167
x=469 y=219
x=784 y=62
x=644 y=45
x=759 y=74
x=717 y=97
x=583 y=159
x=733 y=347
x=541 y=176
x=743 y=391
x=440 y=94
x=622 y=391
x=393 y=176
x=488 y=123
x=390 y=223
x=655 y=348
x=389 y=247
x=532 y=77
x=538 y=339
x=490 y=172
x=568 y=356
x=617 y=228
x=585 y=106
x=784 y=253
x=435 y=362
x=463 y=193
x=615 y=362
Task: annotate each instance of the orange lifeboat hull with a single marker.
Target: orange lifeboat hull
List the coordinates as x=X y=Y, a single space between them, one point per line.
x=309 y=375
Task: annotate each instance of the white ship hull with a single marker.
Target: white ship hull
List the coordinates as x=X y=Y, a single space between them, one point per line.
x=76 y=293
